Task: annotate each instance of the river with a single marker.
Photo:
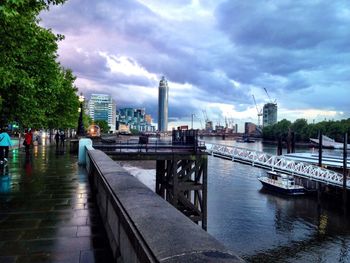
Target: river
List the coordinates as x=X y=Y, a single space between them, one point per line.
x=264 y=227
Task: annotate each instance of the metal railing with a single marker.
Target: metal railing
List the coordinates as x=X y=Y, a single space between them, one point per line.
x=277 y=163
x=134 y=145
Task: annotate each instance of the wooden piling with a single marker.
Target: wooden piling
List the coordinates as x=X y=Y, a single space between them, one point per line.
x=293 y=142
x=345 y=170
x=279 y=146
x=320 y=145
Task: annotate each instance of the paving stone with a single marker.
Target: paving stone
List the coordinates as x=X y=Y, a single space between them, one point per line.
x=10 y=235
x=47 y=233
x=49 y=215
x=19 y=224
x=8 y=259
x=94 y=256
x=13 y=248
x=55 y=257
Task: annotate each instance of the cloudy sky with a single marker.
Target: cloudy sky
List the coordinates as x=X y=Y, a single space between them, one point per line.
x=214 y=53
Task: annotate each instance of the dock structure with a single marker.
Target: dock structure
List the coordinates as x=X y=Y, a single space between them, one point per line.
x=181 y=171
x=279 y=163
x=335 y=162
x=143 y=227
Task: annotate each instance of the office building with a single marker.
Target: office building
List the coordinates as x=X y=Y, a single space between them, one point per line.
x=269 y=114
x=134 y=119
x=250 y=128
x=163 y=94
x=102 y=107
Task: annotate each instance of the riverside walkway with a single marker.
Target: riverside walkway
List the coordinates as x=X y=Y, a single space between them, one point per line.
x=47 y=213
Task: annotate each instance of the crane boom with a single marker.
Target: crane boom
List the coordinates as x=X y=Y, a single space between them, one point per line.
x=256 y=106
x=268 y=95
x=258 y=111
x=205 y=115
x=271 y=101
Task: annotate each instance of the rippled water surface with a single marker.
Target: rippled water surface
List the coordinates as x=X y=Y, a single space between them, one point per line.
x=264 y=227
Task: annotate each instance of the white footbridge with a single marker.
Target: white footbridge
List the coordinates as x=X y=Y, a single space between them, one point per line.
x=277 y=163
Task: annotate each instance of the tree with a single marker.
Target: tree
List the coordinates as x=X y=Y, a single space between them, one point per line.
x=281 y=128
x=304 y=131
x=299 y=127
x=103 y=125
x=34 y=88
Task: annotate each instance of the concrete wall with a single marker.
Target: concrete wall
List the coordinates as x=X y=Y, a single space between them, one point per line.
x=141 y=226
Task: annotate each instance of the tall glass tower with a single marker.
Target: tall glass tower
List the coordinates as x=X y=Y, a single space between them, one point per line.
x=269 y=114
x=102 y=107
x=163 y=94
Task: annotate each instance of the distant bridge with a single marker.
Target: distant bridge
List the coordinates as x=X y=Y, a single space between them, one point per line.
x=277 y=163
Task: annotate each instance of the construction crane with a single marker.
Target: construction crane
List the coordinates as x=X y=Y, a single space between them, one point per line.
x=200 y=121
x=205 y=116
x=258 y=111
x=208 y=123
x=274 y=102
x=198 y=118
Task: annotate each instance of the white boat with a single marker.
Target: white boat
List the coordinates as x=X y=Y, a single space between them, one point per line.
x=281 y=183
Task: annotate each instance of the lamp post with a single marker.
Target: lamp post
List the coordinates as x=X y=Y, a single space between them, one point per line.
x=81 y=130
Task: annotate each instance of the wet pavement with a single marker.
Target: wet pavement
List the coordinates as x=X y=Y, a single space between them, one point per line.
x=47 y=212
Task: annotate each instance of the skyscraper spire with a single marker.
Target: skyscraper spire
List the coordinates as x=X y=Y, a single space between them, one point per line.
x=163 y=92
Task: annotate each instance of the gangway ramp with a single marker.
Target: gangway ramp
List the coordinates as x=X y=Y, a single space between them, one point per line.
x=277 y=163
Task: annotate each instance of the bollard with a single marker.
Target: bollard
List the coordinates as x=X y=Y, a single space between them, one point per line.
x=279 y=146
x=320 y=145
x=293 y=142
x=345 y=168
x=82 y=150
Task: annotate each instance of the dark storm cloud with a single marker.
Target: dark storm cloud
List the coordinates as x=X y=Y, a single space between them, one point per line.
x=293 y=24
x=90 y=65
x=287 y=46
x=284 y=46
x=169 y=54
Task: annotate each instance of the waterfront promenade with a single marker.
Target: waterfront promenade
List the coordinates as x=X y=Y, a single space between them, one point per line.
x=47 y=213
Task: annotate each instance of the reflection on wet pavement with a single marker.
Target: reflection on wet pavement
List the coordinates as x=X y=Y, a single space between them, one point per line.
x=47 y=213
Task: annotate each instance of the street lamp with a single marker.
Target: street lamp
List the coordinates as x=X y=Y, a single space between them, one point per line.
x=81 y=130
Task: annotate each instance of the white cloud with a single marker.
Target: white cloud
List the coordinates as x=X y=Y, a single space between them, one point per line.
x=127 y=66
x=214 y=53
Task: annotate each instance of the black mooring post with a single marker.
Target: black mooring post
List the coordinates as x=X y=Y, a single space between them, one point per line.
x=320 y=148
x=293 y=142
x=345 y=168
x=288 y=143
x=279 y=146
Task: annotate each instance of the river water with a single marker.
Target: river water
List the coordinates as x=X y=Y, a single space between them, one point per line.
x=264 y=227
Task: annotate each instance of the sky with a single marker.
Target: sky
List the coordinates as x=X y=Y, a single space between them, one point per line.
x=215 y=55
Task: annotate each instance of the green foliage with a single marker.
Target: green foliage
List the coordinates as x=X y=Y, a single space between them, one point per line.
x=134 y=131
x=280 y=129
x=87 y=121
x=300 y=130
x=103 y=125
x=35 y=90
x=304 y=131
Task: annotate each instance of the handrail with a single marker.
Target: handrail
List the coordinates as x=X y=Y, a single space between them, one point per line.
x=279 y=163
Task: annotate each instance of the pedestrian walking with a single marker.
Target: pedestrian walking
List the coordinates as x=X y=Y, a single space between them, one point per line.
x=5 y=144
x=57 y=138
x=63 y=138
x=28 y=139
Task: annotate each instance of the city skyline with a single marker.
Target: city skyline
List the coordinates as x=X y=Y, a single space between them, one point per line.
x=215 y=55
